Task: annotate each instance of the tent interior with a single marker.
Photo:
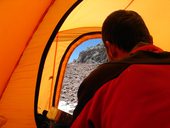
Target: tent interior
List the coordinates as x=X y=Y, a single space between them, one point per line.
x=37 y=39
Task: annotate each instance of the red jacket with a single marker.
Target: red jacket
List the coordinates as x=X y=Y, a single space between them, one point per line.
x=132 y=93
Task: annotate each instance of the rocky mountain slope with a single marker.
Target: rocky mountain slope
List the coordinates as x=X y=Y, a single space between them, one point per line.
x=95 y=55
x=77 y=71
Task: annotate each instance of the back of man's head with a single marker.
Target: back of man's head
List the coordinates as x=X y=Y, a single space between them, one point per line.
x=125 y=29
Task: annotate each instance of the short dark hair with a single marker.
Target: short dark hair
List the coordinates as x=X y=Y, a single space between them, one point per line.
x=125 y=28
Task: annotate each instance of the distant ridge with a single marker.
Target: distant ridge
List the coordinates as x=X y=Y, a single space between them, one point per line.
x=94 y=55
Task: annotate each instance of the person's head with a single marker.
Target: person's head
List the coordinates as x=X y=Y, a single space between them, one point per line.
x=124 y=29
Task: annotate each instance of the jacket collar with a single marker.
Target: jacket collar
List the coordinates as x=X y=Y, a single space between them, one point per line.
x=146 y=47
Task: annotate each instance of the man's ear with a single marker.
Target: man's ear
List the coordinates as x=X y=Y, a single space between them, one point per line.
x=114 y=52
x=111 y=50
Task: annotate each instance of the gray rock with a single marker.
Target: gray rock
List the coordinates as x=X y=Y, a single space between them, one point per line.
x=78 y=70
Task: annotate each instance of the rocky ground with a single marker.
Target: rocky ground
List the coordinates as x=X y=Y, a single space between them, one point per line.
x=77 y=71
x=75 y=74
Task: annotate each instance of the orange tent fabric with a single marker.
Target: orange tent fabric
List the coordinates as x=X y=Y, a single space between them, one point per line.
x=26 y=27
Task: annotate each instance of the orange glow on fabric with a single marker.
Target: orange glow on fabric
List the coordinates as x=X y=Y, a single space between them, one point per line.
x=52 y=83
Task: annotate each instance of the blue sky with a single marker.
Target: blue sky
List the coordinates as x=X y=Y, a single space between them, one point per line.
x=83 y=46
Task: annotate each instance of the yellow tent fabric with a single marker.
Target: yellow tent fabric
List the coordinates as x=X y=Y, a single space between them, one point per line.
x=26 y=27
x=65 y=38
